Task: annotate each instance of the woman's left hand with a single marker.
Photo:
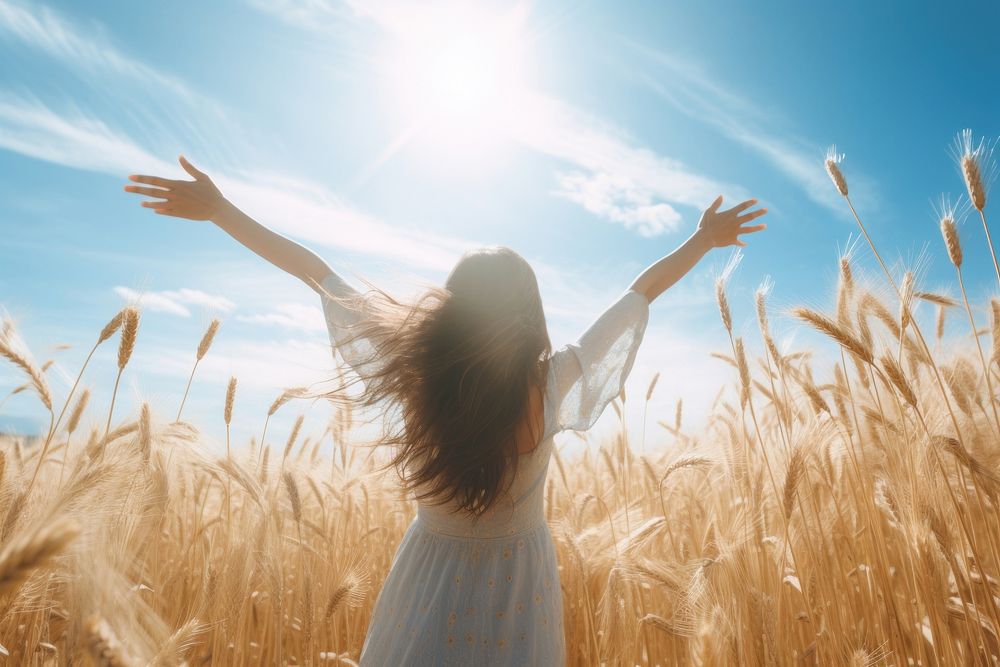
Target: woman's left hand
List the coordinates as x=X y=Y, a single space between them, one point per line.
x=199 y=199
x=724 y=228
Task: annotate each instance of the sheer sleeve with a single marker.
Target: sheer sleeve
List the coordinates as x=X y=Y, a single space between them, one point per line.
x=586 y=375
x=343 y=309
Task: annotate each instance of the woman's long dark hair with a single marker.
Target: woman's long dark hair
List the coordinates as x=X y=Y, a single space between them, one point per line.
x=460 y=364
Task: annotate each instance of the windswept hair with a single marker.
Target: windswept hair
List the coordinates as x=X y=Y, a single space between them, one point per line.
x=460 y=364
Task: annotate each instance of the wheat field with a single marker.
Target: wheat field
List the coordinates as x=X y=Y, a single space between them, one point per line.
x=836 y=512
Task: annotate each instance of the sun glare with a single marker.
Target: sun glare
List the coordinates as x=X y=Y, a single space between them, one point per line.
x=456 y=76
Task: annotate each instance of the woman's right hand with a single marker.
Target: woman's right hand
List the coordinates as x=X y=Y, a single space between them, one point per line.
x=199 y=199
x=724 y=228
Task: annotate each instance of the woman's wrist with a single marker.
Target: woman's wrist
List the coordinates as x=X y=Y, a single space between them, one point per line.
x=701 y=240
x=223 y=213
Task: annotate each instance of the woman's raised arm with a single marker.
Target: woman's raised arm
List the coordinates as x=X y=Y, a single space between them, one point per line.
x=716 y=229
x=200 y=199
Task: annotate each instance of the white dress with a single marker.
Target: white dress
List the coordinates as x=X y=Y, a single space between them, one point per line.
x=487 y=592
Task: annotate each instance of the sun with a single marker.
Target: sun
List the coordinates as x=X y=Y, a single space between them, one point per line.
x=455 y=75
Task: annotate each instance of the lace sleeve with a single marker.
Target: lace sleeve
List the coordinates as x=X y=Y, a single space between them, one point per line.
x=586 y=375
x=343 y=308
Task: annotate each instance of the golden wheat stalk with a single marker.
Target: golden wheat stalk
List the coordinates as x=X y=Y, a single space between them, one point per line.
x=227 y=412
x=796 y=469
x=292 y=437
x=104 y=647
x=995 y=330
x=34 y=373
x=744 y=370
x=895 y=375
x=71 y=426
x=31 y=551
x=145 y=440
x=723 y=302
x=126 y=345
x=107 y=332
x=974 y=162
x=845 y=292
x=15 y=391
x=645 y=408
x=283 y=397
x=843 y=336
x=293 y=496
x=771 y=351
x=832 y=164
x=203 y=346
x=179 y=644
x=951 y=242
x=10 y=350
x=954 y=247
x=923 y=343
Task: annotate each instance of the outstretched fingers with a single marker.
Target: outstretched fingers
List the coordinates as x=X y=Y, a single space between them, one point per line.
x=149 y=192
x=752 y=215
x=742 y=206
x=155 y=180
x=751 y=229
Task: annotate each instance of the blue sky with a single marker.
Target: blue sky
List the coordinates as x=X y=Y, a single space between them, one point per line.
x=613 y=126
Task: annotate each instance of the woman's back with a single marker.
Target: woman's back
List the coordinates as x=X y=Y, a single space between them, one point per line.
x=522 y=504
x=467 y=589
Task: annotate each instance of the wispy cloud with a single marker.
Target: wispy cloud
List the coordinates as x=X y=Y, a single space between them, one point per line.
x=689 y=89
x=291 y=316
x=29 y=127
x=46 y=30
x=176 y=302
x=292 y=206
x=312 y=14
x=262 y=365
x=311 y=212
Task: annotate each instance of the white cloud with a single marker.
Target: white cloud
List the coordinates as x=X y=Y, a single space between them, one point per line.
x=290 y=315
x=618 y=200
x=175 y=302
x=555 y=128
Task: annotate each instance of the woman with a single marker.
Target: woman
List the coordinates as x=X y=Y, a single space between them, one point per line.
x=480 y=396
